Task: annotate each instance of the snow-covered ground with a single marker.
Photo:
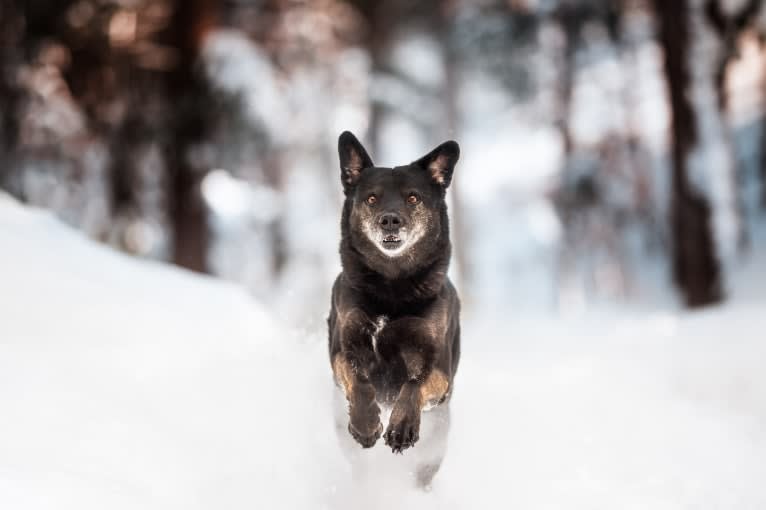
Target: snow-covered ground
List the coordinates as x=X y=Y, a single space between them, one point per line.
x=129 y=384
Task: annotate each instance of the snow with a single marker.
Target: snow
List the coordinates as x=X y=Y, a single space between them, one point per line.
x=130 y=384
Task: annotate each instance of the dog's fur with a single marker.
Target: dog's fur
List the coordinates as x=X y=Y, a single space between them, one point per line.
x=394 y=332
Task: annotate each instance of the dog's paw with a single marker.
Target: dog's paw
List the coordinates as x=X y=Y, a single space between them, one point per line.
x=366 y=439
x=364 y=423
x=402 y=432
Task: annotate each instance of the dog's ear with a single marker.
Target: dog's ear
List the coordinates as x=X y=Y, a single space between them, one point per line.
x=353 y=159
x=440 y=162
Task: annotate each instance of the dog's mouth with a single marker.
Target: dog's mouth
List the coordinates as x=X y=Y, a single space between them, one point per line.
x=391 y=241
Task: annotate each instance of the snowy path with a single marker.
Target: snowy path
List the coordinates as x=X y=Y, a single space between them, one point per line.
x=127 y=384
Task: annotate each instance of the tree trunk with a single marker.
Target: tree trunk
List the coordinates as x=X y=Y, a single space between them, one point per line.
x=443 y=28
x=11 y=34
x=729 y=26
x=763 y=144
x=378 y=19
x=569 y=26
x=696 y=269
x=763 y=147
x=568 y=289
x=188 y=93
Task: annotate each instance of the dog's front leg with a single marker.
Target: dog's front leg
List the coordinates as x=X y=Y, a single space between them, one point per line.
x=426 y=385
x=352 y=371
x=404 y=424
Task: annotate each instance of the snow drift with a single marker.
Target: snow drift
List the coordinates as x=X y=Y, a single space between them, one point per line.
x=129 y=384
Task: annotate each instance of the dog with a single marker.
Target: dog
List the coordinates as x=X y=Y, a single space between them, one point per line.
x=394 y=329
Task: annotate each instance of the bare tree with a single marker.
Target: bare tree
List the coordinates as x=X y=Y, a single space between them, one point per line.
x=189 y=95
x=729 y=26
x=696 y=269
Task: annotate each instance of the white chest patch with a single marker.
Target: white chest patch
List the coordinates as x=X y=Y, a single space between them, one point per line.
x=380 y=323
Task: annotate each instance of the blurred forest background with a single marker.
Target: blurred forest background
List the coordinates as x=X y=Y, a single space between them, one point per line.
x=612 y=150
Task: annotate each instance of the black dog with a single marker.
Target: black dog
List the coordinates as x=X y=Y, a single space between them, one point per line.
x=394 y=320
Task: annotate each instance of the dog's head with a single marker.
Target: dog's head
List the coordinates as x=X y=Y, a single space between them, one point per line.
x=395 y=217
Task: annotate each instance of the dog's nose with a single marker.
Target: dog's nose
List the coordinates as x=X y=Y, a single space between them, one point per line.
x=390 y=221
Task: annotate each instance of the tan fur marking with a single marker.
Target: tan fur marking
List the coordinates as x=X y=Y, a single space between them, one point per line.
x=342 y=371
x=437 y=169
x=434 y=389
x=354 y=167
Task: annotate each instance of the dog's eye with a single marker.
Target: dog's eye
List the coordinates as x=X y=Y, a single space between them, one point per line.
x=371 y=200
x=412 y=199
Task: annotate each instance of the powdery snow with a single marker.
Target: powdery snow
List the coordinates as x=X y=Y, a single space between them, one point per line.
x=128 y=384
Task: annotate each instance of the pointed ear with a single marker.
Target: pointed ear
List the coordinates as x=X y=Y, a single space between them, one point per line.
x=353 y=159
x=440 y=162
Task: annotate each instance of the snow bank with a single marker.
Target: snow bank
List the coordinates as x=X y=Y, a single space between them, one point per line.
x=128 y=384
